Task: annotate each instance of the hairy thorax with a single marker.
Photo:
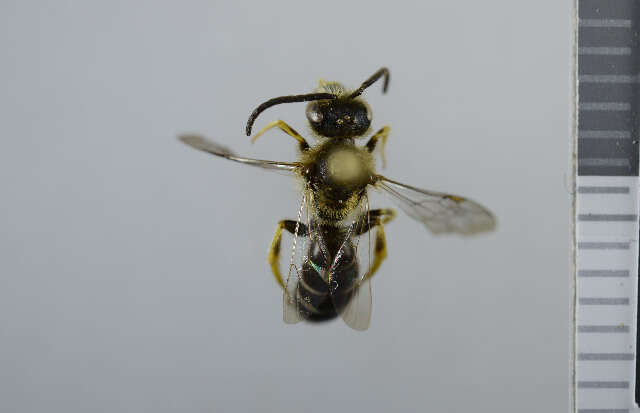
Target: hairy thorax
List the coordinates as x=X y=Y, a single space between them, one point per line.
x=338 y=172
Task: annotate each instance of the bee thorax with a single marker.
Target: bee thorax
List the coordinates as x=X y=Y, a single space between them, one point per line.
x=338 y=172
x=344 y=167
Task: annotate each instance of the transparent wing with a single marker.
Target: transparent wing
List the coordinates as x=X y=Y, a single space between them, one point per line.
x=349 y=274
x=201 y=143
x=357 y=313
x=290 y=307
x=439 y=212
x=303 y=274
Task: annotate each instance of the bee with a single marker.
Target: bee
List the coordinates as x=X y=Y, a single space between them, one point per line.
x=338 y=242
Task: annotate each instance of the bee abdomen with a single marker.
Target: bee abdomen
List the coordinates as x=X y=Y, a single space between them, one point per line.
x=317 y=299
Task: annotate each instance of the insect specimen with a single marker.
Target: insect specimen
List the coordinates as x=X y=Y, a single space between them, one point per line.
x=338 y=241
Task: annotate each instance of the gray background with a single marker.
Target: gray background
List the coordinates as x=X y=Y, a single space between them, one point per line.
x=133 y=271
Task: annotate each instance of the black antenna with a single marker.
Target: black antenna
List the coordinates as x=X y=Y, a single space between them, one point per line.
x=285 y=99
x=377 y=75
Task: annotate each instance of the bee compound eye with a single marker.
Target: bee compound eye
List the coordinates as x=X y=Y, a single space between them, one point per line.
x=313 y=114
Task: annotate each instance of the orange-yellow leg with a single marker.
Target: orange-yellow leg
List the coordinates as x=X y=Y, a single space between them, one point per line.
x=274 y=249
x=377 y=219
x=283 y=126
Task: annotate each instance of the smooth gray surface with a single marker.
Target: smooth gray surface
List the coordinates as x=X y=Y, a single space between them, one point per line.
x=133 y=275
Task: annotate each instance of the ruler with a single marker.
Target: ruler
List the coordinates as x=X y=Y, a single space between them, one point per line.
x=605 y=364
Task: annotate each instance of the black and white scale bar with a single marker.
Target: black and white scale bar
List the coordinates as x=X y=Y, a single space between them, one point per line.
x=606 y=289
x=607 y=134
x=608 y=87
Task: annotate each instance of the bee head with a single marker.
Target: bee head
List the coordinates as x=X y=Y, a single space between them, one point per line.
x=339 y=118
x=333 y=112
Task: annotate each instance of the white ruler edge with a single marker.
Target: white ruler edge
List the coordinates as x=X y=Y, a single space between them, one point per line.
x=606 y=290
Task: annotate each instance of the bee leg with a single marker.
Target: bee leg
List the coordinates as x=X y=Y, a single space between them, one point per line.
x=380 y=251
x=382 y=134
x=377 y=218
x=274 y=248
x=286 y=129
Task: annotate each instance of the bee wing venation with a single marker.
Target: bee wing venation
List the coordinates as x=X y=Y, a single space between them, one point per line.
x=439 y=212
x=201 y=143
x=356 y=309
x=290 y=306
x=293 y=309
